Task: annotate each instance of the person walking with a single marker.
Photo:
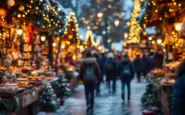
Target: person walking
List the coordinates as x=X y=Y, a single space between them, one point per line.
x=158 y=58
x=144 y=58
x=126 y=73
x=138 y=65
x=90 y=74
x=178 y=98
x=150 y=62
x=101 y=77
x=103 y=61
x=111 y=72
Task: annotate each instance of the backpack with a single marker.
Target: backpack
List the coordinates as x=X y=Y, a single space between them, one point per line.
x=126 y=73
x=109 y=67
x=89 y=73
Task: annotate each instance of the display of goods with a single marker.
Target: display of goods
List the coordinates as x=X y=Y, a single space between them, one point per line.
x=23 y=84
x=167 y=82
x=158 y=72
x=173 y=65
x=48 y=74
x=34 y=78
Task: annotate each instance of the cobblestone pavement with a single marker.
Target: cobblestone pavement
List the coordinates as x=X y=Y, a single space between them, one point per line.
x=105 y=104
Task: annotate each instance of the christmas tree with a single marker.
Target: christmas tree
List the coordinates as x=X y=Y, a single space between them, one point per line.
x=134 y=34
x=47 y=98
x=62 y=87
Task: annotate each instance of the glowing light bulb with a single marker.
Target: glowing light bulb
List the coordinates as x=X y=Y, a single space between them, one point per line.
x=43 y=38
x=20 y=31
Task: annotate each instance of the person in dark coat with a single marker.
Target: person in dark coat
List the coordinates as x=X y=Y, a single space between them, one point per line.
x=111 y=72
x=178 y=99
x=89 y=62
x=103 y=61
x=150 y=62
x=125 y=62
x=158 y=58
x=144 y=60
x=138 y=65
x=101 y=77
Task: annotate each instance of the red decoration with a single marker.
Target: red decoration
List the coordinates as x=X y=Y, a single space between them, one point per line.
x=35 y=29
x=148 y=112
x=30 y=34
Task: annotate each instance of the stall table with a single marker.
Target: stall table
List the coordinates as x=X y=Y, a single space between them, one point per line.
x=26 y=98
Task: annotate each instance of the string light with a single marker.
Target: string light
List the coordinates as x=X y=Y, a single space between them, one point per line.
x=19 y=15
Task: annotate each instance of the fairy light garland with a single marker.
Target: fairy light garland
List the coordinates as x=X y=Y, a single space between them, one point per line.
x=43 y=13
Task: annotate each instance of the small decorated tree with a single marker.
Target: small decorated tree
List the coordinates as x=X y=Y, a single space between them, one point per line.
x=47 y=99
x=149 y=98
x=62 y=88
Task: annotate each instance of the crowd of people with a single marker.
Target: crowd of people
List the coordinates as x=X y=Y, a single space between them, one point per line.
x=95 y=66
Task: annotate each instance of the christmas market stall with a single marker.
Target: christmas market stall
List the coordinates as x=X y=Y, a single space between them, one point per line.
x=168 y=18
x=29 y=30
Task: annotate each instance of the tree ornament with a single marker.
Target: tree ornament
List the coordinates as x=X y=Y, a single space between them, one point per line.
x=21 y=8
x=11 y=3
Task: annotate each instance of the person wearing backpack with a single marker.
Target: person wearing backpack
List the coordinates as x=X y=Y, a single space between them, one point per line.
x=111 y=72
x=126 y=73
x=89 y=73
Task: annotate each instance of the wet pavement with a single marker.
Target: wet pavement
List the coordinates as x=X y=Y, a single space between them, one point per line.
x=105 y=104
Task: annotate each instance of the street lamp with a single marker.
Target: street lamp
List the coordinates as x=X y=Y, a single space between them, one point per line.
x=100 y=14
x=116 y=23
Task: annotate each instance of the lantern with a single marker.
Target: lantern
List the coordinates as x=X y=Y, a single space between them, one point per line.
x=43 y=38
x=20 y=31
